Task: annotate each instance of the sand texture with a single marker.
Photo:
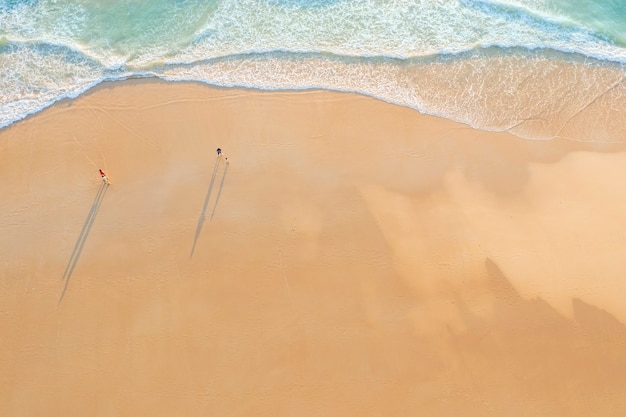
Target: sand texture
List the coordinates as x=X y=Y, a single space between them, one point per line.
x=353 y=258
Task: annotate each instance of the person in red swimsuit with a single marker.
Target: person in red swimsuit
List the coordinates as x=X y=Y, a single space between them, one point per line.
x=104 y=177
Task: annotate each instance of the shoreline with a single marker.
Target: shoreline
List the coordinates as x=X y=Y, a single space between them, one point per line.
x=589 y=111
x=351 y=249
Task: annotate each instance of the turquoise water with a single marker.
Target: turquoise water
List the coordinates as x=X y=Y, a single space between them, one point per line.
x=606 y=17
x=52 y=49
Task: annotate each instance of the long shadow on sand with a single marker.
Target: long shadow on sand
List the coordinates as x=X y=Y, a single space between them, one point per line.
x=204 y=207
x=219 y=192
x=82 y=238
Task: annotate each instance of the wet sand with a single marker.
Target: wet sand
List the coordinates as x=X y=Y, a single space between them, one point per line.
x=353 y=258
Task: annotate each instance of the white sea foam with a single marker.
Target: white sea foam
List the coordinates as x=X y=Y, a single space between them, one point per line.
x=31 y=78
x=400 y=28
x=51 y=49
x=494 y=93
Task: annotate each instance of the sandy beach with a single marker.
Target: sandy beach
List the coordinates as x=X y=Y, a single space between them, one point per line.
x=352 y=258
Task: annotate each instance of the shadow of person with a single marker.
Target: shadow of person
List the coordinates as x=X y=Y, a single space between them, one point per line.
x=202 y=217
x=219 y=192
x=82 y=237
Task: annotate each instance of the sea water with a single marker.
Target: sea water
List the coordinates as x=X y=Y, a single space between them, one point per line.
x=480 y=62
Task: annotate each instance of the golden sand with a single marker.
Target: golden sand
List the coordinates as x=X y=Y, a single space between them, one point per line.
x=353 y=258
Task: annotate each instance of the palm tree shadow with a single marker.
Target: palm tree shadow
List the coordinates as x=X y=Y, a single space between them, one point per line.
x=82 y=237
x=204 y=207
x=219 y=192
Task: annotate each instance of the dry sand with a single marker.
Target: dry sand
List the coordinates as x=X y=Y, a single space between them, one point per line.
x=361 y=260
